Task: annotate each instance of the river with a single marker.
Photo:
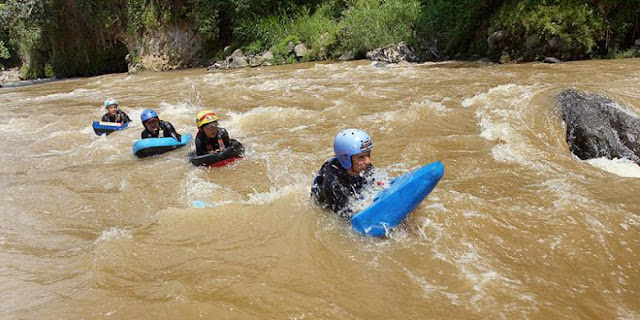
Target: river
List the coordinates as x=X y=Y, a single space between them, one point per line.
x=517 y=228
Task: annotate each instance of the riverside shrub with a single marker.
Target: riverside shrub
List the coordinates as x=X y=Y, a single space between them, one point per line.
x=317 y=30
x=456 y=27
x=370 y=24
x=572 y=21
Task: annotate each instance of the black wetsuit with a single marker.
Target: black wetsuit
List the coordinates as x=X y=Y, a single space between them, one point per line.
x=333 y=187
x=167 y=131
x=205 y=145
x=119 y=117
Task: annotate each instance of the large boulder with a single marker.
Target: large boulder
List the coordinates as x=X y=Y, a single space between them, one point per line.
x=599 y=127
x=551 y=60
x=393 y=54
x=261 y=59
x=237 y=60
x=300 y=50
x=347 y=56
x=497 y=41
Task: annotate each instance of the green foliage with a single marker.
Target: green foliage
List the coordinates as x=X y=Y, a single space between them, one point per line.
x=49 y=72
x=150 y=18
x=318 y=30
x=4 y=51
x=282 y=50
x=77 y=40
x=621 y=23
x=571 y=21
x=624 y=54
x=206 y=15
x=456 y=27
x=370 y=24
x=254 y=47
x=84 y=37
x=23 y=20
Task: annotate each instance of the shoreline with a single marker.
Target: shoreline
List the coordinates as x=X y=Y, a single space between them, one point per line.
x=11 y=78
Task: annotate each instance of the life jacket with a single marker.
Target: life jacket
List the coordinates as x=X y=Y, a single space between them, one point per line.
x=208 y=141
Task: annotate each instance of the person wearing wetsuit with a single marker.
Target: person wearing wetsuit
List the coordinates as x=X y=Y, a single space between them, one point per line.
x=341 y=179
x=210 y=137
x=153 y=125
x=114 y=114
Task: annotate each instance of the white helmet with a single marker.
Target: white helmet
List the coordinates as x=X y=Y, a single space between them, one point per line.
x=110 y=102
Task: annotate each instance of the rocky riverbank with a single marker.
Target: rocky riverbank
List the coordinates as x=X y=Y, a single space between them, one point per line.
x=298 y=52
x=9 y=76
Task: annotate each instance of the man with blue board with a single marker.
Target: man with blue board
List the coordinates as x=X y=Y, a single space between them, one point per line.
x=153 y=125
x=114 y=114
x=341 y=179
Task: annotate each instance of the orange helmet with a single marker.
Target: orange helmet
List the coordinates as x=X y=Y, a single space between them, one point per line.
x=206 y=116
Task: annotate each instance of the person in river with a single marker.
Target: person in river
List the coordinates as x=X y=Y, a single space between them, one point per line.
x=210 y=137
x=114 y=114
x=341 y=179
x=153 y=125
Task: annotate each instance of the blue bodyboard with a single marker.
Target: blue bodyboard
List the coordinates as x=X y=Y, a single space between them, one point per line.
x=152 y=146
x=101 y=128
x=391 y=205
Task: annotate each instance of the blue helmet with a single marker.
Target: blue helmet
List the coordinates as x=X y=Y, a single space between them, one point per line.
x=350 y=142
x=148 y=114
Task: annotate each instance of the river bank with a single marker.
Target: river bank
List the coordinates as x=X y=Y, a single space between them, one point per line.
x=82 y=38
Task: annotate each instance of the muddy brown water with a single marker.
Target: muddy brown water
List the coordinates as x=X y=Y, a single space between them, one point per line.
x=518 y=227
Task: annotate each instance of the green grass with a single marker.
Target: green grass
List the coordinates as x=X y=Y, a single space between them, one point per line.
x=370 y=24
x=571 y=21
x=624 y=54
x=317 y=30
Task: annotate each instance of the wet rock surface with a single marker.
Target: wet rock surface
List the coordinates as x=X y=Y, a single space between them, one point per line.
x=599 y=127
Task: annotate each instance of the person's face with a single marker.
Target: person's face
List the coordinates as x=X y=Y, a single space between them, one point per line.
x=210 y=129
x=152 y=124
x=112 y=109
x=361 y=162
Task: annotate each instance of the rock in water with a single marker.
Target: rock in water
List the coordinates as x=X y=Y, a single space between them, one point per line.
x=599 y=127
x=551 y=60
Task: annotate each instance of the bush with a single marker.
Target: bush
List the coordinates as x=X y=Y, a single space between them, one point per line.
x=49 y=72
x=456 y=27
x=4 y=52
x=370 y=24
x=31 y=50
x=281 y=52
x=573 y=22
x=624 y=54
x=621 y=24
x=317 y=30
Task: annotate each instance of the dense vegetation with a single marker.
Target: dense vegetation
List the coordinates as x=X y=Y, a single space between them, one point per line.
x=83 y=37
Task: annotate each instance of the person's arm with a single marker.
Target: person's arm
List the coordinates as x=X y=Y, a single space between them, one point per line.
x=105 y=118
x=125 y=117
x=337 y=196
x=169 y=129
x=145 y=134
x=201 y=149
x=225 y=137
